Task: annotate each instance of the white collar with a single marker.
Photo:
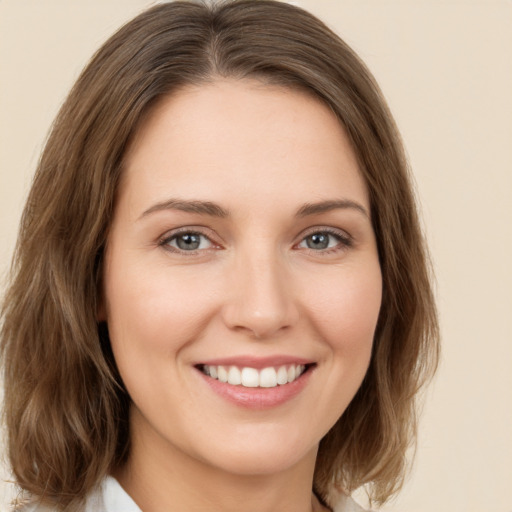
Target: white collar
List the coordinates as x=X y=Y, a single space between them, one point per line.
x=111 y=497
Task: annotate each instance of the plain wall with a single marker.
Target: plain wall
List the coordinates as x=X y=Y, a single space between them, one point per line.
x=445 y=67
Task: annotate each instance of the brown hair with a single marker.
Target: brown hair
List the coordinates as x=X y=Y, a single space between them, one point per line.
x=65 y=408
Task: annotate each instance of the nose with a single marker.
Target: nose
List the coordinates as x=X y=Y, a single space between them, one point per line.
x=261 y=297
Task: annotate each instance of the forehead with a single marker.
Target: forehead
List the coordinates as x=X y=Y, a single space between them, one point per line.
x=245 y=135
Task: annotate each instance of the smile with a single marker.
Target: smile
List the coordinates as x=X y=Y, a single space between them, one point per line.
x=269 y=377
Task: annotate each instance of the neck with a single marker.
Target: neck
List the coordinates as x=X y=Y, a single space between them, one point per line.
x=169 y=479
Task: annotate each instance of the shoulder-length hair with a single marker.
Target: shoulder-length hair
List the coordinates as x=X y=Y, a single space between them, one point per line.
x=65 y=407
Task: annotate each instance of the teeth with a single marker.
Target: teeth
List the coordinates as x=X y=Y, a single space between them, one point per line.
x=282 y=375
x=268 y=378
x=248 y=377
x=222 y=374
x=291 y=374
x=234 y=376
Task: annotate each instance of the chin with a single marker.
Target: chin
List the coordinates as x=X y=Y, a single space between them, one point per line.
x=262 y=457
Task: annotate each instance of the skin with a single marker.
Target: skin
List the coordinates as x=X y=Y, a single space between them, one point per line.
x=253 y=287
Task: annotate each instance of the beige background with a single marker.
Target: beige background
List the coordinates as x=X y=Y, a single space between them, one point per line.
x=446 y=69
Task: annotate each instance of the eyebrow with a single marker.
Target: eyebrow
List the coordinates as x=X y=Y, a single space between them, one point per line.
x=215 y=210
x=200 y=207
x=333 y=204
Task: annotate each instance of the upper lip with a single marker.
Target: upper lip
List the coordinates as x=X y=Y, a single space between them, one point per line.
x=256 y=362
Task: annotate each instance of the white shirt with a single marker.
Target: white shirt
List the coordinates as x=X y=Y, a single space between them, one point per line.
x=111 y=497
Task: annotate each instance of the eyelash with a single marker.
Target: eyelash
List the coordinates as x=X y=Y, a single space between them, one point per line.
x=344 y=240
x=166 y=241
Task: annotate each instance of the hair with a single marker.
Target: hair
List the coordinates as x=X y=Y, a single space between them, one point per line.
x=65 y=407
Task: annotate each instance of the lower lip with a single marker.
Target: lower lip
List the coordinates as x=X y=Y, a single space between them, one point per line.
x=258 y=398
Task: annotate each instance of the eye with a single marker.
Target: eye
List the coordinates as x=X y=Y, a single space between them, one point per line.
x=187 y=241
x=325 y=241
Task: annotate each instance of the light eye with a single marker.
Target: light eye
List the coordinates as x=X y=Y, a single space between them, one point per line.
x=323 y=240
x=188 y=241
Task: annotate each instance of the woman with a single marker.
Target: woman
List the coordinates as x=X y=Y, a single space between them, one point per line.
x=220 y=297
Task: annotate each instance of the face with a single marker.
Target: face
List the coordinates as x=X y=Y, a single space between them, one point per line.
x=242 y=284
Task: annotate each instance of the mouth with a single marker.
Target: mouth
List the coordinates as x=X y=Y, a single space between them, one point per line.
x=249 y=377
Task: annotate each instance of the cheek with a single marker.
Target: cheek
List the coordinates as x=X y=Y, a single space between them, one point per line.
x=347 y=309
x=156 y=311
x=153 y=316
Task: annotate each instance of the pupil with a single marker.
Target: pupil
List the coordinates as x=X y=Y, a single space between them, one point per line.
x=188 y=242
x=318 y=241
